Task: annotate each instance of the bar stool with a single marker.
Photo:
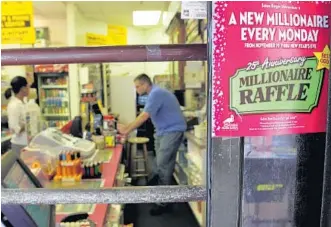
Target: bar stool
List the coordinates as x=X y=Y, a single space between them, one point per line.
x=135 y=159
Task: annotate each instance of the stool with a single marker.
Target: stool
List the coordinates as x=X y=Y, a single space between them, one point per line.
x=134 y=159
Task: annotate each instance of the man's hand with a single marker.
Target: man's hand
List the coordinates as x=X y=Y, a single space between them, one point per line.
x=122 y=129
x=126 y=129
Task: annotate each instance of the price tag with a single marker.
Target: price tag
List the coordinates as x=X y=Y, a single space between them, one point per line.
x=194 y=10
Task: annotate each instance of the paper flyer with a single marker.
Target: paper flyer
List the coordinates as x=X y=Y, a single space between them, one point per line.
x=271 y=63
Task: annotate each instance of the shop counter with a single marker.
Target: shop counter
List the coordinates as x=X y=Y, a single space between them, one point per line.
x=97 y=212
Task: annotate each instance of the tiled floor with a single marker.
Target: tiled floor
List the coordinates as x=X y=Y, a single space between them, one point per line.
x=180 y=217
x=138 y=214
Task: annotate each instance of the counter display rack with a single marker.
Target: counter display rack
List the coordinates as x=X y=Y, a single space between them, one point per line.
x=112 y=175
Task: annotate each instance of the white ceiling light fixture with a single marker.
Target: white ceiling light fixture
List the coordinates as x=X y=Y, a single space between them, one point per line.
x=146 y=18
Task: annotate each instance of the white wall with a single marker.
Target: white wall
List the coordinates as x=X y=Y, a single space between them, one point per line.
x=85 y=25
x=156 y=36
x=134 y=37
x=57 y=29
x=123 y=98
x=143 y=37
x=73 y=20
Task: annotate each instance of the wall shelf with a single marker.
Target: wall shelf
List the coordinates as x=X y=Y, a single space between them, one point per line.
x=54 y=86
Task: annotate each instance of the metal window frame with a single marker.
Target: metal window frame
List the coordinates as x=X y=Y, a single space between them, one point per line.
x=134 y=53
x=326 y=198
x=118 y=195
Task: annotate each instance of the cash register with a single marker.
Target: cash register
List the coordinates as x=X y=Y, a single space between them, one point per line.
x=57 y=140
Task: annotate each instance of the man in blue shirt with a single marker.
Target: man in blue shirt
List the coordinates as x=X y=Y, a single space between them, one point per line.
x=164 y=110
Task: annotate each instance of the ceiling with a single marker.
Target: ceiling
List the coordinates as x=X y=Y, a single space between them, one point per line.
x=119 y=13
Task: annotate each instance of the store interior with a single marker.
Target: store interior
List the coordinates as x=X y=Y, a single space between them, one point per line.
x=74 y=142
x=93 y=99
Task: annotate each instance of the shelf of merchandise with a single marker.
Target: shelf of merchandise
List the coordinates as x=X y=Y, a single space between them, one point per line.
x=196 y=212
x=54 y=87
x=190 y=169
x=5 y=138
x=54 y=95
x=112 y=169
x=106 y=73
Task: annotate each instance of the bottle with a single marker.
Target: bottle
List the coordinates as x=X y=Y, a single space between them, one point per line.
x=58 y=169
x=101 y=167
x=64 y=170
x=96 y=169
x=92 y=174
x=87 y=170
x=82 y=170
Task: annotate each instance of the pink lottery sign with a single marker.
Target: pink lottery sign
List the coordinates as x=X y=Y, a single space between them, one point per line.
x=270 y=67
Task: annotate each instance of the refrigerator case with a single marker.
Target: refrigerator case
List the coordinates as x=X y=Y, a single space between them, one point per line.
x=54 y=93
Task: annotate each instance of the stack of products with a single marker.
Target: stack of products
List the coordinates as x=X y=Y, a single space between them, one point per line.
x=54 y=93
x=55 y=81
x=89 y=97
x=5 y=132
x=55 y=101
x=88 y=93
x=109 y=127
x=58 y=68
x=56 y=106
x=92 y=170
x=75 y=224
x=68 y=167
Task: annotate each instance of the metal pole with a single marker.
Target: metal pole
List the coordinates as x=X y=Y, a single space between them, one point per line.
x=133 y=53
x=326 y=199
x=160 y=194
x=224 y=166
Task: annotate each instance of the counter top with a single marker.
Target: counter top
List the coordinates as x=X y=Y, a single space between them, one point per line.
x=108 y=176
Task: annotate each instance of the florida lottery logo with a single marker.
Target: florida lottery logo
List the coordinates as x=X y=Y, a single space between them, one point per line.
x=229 y=123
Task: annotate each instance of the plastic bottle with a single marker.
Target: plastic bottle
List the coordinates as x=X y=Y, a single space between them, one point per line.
x=58 y=169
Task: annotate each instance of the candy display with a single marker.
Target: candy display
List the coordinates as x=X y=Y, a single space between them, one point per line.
x=68 y=167
x=91 y=170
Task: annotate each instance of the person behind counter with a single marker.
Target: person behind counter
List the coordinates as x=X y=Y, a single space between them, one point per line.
x=163 y=108
x=16 y=113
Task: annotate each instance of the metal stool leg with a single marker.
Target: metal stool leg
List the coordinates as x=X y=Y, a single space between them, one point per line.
x=132 y=158
x=146 y=161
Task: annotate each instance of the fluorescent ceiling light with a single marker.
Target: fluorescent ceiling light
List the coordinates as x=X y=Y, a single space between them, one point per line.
x=144 y=18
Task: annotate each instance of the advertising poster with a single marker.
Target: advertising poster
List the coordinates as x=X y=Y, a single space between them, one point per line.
x=117 y=35
x=95 y=39
x=271 y=63
x=17 y=23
